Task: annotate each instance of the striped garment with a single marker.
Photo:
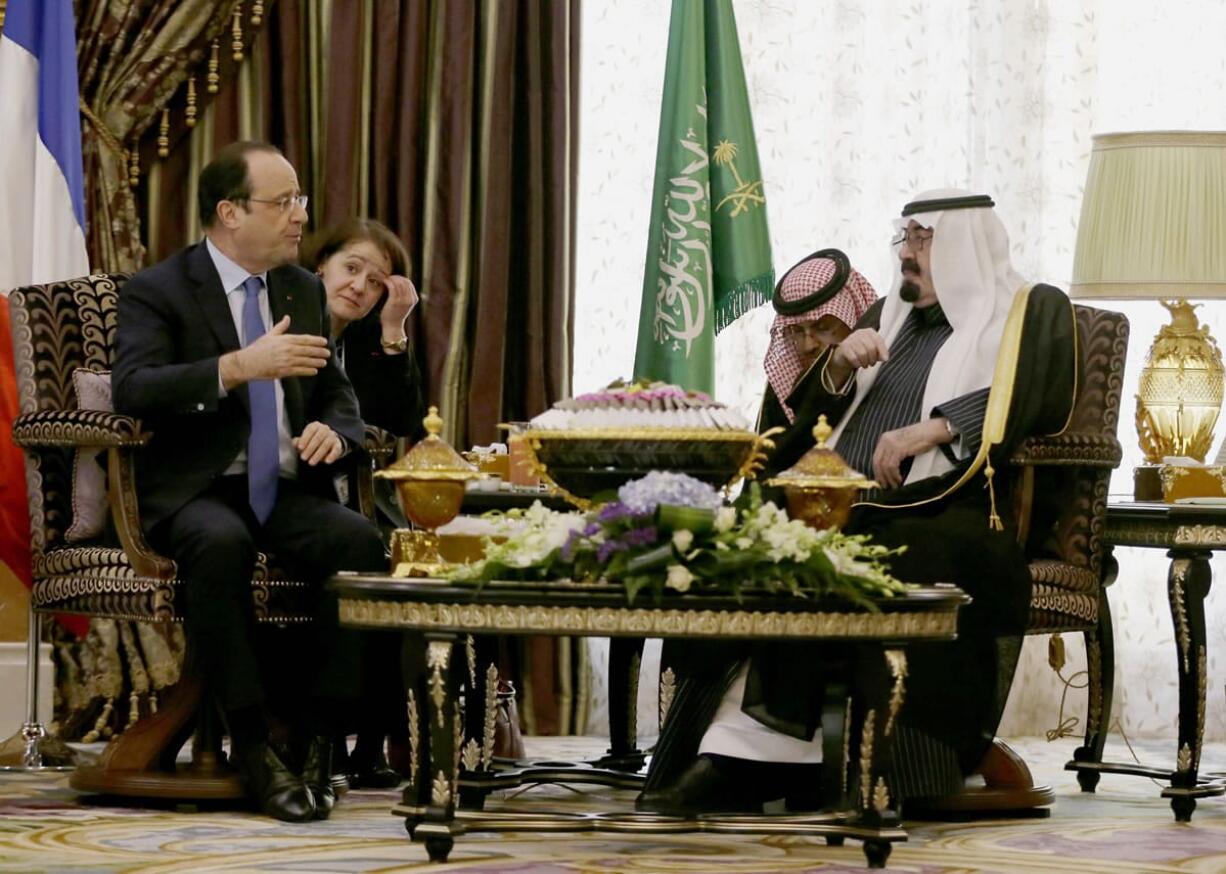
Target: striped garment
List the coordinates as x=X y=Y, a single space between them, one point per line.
x=896 y=396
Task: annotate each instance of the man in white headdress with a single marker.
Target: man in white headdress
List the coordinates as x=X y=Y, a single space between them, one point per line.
x=940 y=380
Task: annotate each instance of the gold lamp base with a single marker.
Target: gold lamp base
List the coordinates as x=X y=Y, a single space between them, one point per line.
x=1180 y=391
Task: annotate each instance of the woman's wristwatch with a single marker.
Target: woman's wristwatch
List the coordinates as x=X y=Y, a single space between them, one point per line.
x=396 y=346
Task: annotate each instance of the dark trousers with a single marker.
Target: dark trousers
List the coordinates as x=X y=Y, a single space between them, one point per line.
x=214 y=539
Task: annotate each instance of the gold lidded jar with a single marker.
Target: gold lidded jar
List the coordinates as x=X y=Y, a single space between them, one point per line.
x=430 y=480
x=820 y=488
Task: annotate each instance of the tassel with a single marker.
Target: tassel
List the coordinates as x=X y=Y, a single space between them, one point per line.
x=153 y=702
x=236 y=32
x=190 y=112
x=164 y=135
x=133 y=710
x=257 y=12
x=993 y=518
x=213 y=79
x=100 y=729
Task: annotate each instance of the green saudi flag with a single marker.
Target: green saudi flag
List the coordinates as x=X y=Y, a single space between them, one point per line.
x=708 y=249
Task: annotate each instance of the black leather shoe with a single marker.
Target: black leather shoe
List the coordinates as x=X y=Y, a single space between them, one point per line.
x=317 y=775
x=276 y=790
x=707 y=786
x=371 y=772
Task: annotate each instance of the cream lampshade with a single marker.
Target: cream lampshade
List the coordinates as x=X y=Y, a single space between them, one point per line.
x=1153 y=227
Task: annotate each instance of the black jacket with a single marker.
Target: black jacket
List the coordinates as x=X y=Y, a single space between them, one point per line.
x=173 y=325
x=388 y=387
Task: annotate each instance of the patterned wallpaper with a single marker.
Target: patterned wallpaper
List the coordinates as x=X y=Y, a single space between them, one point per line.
x=857 y=106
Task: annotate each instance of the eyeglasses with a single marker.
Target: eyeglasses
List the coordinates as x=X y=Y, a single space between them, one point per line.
x=283 y=204
x=797 y=335
x=913 y=237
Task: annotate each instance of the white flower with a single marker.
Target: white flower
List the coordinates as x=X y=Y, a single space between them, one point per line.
x=725 y=518
x=744 y=542
x=679 y=578
x=682 y=539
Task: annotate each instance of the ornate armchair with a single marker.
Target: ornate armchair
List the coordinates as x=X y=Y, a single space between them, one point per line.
x=1061 y=504
x=57 y=329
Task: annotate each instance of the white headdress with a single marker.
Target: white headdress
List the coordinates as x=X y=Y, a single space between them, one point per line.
x=975 y=285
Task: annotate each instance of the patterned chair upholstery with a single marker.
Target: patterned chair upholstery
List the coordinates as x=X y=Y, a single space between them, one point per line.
x=1061 y=504
x=58 y=328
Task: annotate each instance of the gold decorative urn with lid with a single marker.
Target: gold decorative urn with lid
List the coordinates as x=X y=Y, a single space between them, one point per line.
x=430 y=481
x=1180 y=391
x=820 y=487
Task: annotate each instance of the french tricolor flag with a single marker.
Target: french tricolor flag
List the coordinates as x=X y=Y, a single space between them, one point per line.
x=42 y=193
x=42 y=202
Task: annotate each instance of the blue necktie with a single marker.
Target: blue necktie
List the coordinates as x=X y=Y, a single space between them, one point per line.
x=263 y=454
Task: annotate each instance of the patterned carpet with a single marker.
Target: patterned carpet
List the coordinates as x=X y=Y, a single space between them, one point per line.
x=1124 y=828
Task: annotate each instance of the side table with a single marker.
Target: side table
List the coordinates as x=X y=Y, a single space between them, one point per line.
x=451 y=752
x=1189 y=534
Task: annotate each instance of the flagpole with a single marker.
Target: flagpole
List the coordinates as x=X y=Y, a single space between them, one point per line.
x=32 y=747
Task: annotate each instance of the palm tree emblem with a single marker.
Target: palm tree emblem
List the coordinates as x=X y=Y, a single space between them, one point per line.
x=746 y=194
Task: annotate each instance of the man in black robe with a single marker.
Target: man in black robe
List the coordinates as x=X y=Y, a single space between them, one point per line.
x=817 y=303
x=938 y=383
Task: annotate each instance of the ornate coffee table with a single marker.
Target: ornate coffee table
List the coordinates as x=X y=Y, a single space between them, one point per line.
x=452 y=752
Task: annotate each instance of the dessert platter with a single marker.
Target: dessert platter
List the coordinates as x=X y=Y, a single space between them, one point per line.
x=599 y=441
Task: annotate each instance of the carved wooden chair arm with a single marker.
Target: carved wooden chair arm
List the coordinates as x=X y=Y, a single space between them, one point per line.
x=82 y=428
x=125 y=513
x=380 y=445
x=1071 y=449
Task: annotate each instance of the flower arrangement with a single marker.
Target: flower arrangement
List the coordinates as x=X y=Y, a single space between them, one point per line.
x=670 y=532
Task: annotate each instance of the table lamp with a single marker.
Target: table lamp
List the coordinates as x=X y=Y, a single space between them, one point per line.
x=1153 y=227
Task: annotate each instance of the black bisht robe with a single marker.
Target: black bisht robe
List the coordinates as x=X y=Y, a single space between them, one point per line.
x=955 y=691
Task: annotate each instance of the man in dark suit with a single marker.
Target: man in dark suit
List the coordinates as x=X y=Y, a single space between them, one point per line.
x=223 y=351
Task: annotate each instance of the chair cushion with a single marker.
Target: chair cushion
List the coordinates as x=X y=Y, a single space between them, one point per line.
x=89 y=507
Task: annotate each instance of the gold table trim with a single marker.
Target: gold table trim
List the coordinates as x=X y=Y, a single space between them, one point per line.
x=637 y=622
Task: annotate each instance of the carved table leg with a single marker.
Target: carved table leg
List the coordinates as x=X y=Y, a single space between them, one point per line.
x=883 y=689
x=1187 y=586
x=1100 y=688
x=625 y=658
x=435 y=733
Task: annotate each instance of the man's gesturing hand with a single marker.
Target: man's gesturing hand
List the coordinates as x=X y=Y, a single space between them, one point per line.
x=862 y=348
x=318 y=443
x=275 y=355
x=894 y=447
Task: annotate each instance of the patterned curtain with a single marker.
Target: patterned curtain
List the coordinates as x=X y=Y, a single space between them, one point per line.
x=455 y=125
x=132 y=57
x=137 y=59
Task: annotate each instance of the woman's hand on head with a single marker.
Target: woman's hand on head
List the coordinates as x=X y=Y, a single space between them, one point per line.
x=401 y=298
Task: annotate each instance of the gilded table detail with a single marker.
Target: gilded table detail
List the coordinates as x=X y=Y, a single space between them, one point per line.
x=866 y=759
x=1179 y=608
x=668 y=688
x=897 y=660
x=603 y=621
x=438 y=655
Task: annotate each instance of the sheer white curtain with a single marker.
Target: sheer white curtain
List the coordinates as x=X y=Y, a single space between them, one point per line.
x=858 y=104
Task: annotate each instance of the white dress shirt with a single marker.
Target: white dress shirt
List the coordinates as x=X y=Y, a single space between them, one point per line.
x=232 y=279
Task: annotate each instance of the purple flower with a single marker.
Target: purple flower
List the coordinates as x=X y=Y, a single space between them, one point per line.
x=641 y=536
x=606 y=549
x=614 y=511
x=642 y=496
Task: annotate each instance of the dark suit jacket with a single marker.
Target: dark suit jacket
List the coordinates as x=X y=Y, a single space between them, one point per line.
x=174 y=324
x=388 y=386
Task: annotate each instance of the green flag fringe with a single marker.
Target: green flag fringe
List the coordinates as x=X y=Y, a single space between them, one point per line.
x=748 y=295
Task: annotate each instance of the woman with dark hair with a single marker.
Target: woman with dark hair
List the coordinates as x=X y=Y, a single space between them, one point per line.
x=364 y=268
